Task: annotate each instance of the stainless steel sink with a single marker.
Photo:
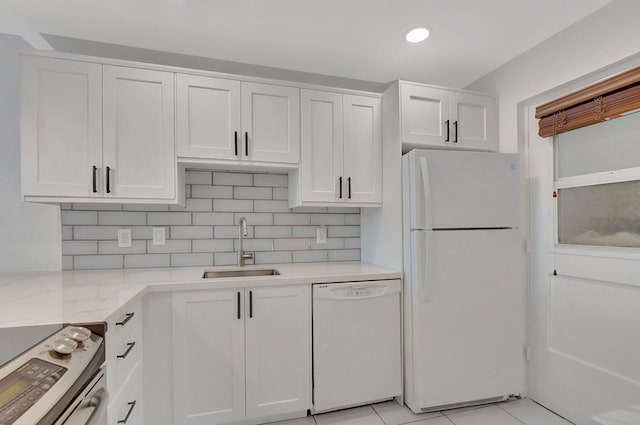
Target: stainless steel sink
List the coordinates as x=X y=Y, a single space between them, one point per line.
x=239 y=273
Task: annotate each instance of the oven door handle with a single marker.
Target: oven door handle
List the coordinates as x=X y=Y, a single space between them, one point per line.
x=91 y=410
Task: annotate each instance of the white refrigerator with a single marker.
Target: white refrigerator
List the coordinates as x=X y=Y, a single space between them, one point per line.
x=464 y=307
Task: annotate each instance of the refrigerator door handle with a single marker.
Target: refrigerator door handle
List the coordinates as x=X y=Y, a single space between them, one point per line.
x=426 y=185
x=421 y=269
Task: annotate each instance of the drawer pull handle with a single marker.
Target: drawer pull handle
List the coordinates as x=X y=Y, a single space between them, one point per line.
x=126 y=353
x=127 y=317
x=132 y=405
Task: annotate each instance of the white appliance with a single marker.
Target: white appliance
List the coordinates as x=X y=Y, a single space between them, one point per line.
x=463 y=306
x=356 y=343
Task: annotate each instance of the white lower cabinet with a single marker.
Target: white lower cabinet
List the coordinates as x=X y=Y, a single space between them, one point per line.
x=241 y=354
x=123 y=358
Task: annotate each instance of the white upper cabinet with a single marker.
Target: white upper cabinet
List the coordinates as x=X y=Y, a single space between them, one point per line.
x=424 y=114
x=362 y=149
x=341 y=159
x=208 y=117
x=432 y=117
x=139 y=141
x=477 y=121
x=61 y=127
x=92 y=131
x=322 y=156
x=237 y=122
x=270 y=123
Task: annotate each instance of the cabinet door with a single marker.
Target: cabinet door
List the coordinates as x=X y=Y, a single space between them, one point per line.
x=208 y=357
x=61 y=137
x=278 y=355
x=423 y=115
x=321 y=162
x=270 y=123
x=475 y=119
x=362 y=149
x=139 y=139
x=208 y=117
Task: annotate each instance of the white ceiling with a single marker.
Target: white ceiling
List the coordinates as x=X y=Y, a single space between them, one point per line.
x=358 y=39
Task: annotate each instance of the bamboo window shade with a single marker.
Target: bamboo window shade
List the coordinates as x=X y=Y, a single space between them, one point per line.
x=605 y=100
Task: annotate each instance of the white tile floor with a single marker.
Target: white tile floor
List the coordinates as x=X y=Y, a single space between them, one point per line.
x=518 y=412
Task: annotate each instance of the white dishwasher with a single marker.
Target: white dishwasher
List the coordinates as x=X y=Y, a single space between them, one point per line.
x=356 y=343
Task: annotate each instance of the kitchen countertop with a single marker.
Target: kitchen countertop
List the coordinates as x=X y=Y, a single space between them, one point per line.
x=41 y=298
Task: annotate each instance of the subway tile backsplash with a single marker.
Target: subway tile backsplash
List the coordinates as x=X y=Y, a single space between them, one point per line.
x=205 y=231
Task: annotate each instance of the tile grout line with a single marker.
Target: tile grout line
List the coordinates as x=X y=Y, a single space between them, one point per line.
x=510 y=414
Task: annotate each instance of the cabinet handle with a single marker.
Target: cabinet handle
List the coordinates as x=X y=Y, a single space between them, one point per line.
x=455 y=128
x=95 y=187
x=108 y=180
x=126 y=353
x=238 y=305
x=349 y=186
x=340 y=184
x=250 y=303
x=447 y=139
x=127 y=317
x=131 y=404
x=246 y=143
x=235 y=140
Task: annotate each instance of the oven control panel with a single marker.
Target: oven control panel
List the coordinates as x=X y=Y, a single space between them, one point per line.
x=35 y=385
x=25 y=386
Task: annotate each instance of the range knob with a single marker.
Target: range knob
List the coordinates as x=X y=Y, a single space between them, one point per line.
x=64 y=346
x=78 y=333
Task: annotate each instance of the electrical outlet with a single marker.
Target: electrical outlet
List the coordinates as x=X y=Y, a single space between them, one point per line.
x=321 y=235
x=124 y=238
x=159 y=236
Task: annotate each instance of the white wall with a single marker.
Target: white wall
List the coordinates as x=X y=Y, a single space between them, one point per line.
x=574 y=369
x=601 y=39
x=29 y=233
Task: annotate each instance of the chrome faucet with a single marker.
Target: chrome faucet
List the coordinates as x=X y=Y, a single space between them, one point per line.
x=242 y=254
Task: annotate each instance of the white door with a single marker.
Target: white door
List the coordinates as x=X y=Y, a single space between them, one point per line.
x=278 y=355
x=474 y=120
x=321 y=162
x=362 y=149
x=139 y=140
x=61 y=137
x=270 y=123
x=208 y=357
x=467 y=327
x=424 y=115
x=583 y=322
x=208 y=117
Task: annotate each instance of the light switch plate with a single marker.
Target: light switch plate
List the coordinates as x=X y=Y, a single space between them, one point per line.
x=321 y=235
x=124 y=238
x=159 y=236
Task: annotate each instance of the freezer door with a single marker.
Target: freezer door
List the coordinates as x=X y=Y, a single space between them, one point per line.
x=452 y=190
x=467 y=316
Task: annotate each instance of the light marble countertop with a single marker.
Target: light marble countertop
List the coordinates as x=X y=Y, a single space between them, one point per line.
x=41 y=298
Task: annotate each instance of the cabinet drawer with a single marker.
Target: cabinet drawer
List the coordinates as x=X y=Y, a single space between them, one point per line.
x=126 y=407
x=121 y=323
x=122 y=360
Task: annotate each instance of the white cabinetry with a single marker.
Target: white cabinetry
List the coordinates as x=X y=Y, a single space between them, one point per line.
x=92 y=131
x=243 y=122
x=241 y=354
x=138 y=126
x=432 y=117
x=124 y=365
x=61 y=128
x=341 y=161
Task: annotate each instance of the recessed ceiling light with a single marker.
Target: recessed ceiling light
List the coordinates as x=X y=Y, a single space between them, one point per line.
x=417 y=35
